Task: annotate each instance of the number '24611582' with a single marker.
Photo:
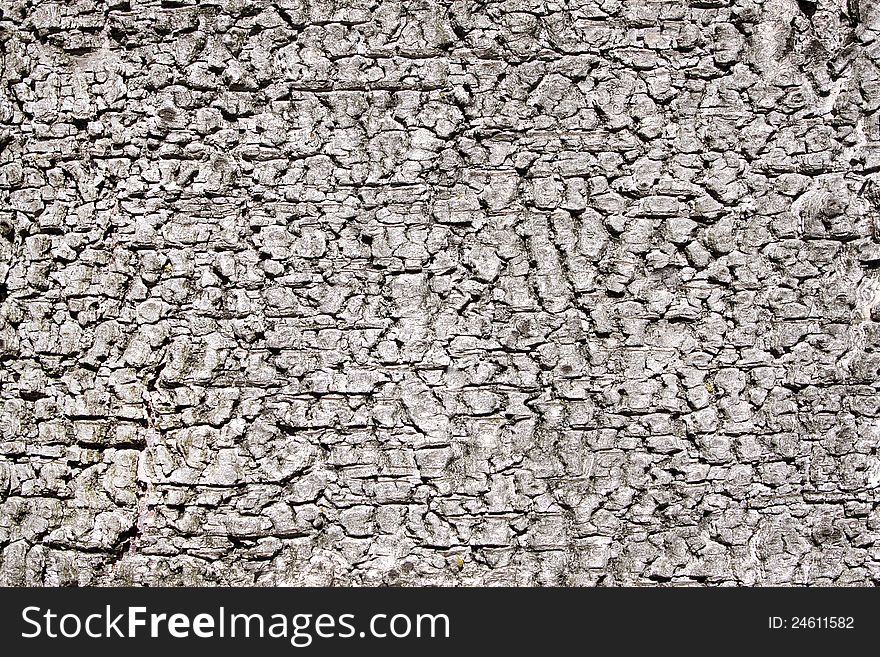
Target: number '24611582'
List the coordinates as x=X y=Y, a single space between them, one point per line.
x=811 y=623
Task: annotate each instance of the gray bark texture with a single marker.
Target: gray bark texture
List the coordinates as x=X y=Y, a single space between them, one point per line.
x=365 y=292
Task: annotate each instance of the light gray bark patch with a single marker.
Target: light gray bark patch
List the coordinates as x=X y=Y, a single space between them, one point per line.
x=525 y=293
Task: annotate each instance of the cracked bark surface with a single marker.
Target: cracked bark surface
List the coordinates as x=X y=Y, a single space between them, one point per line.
x=372 y=292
